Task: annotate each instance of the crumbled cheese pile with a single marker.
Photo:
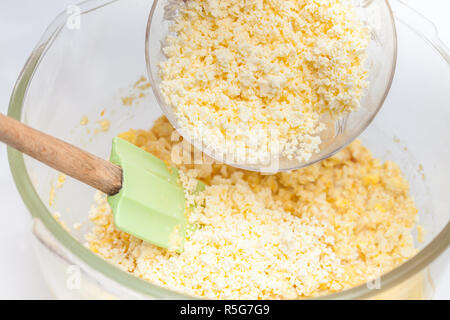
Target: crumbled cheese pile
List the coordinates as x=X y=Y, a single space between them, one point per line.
x=258 y=74
x=312 y=231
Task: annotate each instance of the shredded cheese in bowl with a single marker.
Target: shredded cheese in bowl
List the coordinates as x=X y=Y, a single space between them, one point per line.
x=313 y=231
x=255 y=77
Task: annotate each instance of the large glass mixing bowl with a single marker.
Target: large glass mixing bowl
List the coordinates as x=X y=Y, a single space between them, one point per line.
x=84 y=66
x=382 y=54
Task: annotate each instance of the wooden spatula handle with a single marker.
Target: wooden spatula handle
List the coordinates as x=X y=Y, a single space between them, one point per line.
x=62 y=156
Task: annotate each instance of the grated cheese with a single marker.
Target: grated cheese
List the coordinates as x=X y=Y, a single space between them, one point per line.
x=255 y=76
x=313 y=231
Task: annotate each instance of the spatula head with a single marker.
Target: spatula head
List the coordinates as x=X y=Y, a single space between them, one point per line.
x=151 y=203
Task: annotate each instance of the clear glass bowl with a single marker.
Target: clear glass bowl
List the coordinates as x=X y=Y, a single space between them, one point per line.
x=85 y=71
x=382 y=54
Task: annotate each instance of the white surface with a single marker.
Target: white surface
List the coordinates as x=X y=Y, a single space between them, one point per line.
x=22 y=22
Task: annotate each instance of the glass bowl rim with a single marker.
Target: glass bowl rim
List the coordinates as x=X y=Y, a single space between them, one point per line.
x=39 y=210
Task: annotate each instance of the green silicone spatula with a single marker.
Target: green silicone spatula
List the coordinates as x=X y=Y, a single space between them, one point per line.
x=142 y=190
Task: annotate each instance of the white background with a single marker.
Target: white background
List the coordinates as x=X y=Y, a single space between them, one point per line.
x=22 y=22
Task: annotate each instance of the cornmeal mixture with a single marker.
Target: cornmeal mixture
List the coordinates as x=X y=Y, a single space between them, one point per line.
x=317 y=230
x=256 y=76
